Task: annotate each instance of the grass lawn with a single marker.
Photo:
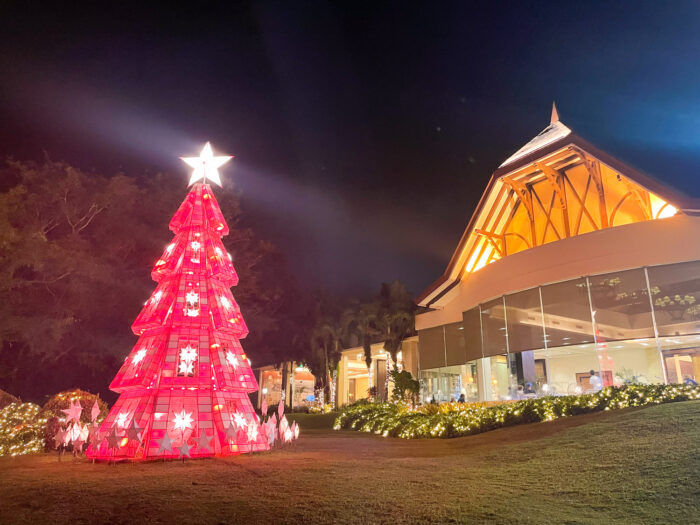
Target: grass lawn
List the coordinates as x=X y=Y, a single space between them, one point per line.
x=629 y=466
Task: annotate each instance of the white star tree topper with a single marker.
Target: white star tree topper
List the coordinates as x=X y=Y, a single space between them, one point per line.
x=206 y=166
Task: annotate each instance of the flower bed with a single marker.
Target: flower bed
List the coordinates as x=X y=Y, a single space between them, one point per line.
x=461 y=419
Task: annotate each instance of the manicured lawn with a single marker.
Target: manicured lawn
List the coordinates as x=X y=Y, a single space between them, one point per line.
x=629 y=466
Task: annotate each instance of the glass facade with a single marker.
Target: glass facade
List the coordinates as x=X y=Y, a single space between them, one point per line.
x=572 y=337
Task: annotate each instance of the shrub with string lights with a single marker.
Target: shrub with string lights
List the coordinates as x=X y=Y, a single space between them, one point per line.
x=21 y=429
x=462 y=419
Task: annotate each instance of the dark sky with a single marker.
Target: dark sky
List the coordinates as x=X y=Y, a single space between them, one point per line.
x=364 y=132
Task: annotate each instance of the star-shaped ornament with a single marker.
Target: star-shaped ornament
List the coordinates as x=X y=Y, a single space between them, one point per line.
x=95 y=411
x=73 y=411
x=231 y=359
x=241 y=422
x=184 y=450
x=231 y=431
x=78 y=444
x=252 y=431
x=121 y=419
x=138 y=357
x=113 y=439
x=206 y=166
x=183 y=420
x=95 y=437
x=165 y=444
x=59 y=437
x=271 y=432
x=134 y=431
x=203 y=442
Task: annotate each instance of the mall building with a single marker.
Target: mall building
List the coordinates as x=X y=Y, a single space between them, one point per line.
x=572 y=262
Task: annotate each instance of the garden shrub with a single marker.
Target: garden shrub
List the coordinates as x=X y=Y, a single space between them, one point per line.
x=461 y=419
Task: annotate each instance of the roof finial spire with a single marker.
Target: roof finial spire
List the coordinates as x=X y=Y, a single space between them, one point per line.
x=555 y=114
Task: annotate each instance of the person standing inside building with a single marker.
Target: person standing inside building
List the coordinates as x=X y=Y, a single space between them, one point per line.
x=595 y=381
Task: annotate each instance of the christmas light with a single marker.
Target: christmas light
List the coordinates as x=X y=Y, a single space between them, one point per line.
x=138 y=356
x=183 y=421
x=241 y=422
x=206 y=166
x=121 y=419
x=231 y=359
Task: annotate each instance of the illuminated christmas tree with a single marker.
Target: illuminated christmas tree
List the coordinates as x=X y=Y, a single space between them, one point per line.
x=184 y=386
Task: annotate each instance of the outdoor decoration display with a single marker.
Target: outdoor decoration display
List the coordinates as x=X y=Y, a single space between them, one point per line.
x=184 y=386
x=21 y=429
x=461 y=419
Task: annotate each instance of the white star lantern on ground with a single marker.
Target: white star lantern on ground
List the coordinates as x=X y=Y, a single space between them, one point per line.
x=113 y=440
x=165 y=444
x=134 y=431
x=231 y=431
x=73 y=411
x=184 y=450
x=95 y=412
x=59 y=437
x=203 y=442
x=252 y=431
x=206 y=166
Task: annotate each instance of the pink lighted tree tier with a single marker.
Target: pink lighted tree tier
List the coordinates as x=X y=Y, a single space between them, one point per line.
x=184 y=386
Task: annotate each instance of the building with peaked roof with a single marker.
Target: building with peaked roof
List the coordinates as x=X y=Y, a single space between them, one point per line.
x=573 y=264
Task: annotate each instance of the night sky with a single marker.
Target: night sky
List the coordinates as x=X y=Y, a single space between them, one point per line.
x=364 y=132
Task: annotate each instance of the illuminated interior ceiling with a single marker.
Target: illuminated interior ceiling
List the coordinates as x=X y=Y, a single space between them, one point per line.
x=568 y=193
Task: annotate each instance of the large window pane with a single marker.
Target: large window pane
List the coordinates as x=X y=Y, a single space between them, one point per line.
x=430 y=385
x=567 y=313
x=471 y=321
x=675 y=290
x=621 y=305
x=431 y=348
x=524 y=318
x=568 y=369
x=500 y=378
x=627 y=351
x=455 y=344
x=682 y=358
x=493 y=322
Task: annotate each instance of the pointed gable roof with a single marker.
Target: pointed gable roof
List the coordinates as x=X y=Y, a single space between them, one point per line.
x=554 y=139
x=552 y=133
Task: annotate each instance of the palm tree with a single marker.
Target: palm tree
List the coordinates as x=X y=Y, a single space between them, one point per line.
x=362 y=322
x=396 y=320
x=332 y=333
x=397 y=327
